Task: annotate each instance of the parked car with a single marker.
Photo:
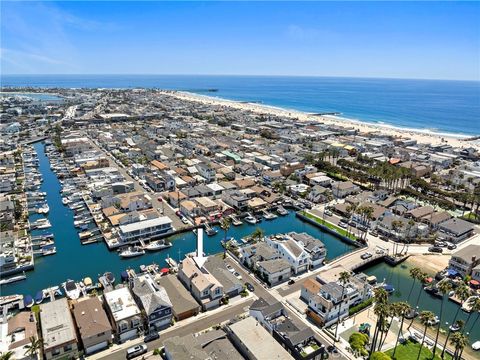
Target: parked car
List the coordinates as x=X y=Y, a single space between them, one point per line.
x=250 y=287
x=436 y=249
x=439 y=243
x=136 y=350
x=353 y=224
x=328 y=213
x=153 y=335
x=184 y=220
x=366 y=255
x=237 y=275
x=230 y=268
x=291 y=282
x=342 y=224
x=451 y=246
x=374 y=233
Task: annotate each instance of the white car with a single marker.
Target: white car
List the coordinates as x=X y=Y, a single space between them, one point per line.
x=476 y=345
x=230 y=268
x=184 y=220
x=237 y=275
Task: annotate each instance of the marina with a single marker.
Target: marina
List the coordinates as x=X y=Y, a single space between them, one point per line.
x=76 y=261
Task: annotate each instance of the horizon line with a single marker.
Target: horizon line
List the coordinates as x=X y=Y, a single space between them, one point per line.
x=243 y=75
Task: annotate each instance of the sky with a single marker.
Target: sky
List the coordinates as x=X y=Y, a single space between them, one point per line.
x=430 y=40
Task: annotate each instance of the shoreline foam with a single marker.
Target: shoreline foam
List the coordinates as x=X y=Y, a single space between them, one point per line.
x=423 y=136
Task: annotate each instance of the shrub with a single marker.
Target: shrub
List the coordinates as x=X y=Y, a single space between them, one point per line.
x=358 y=341
x=360 y=307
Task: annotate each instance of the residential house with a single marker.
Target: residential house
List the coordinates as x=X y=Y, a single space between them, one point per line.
x=341 y=189
x=274 y=271
x=315 y=248
x=184 y=305
x=465 y=259
x=206 y=171
x=124 y=314
x=145 y=229
x=291 y=251
x=235 y=199
x=19 y=329
x=455 y=230
x=153 y=300
x=254 y=342
x=328 y=304
x=93 y=325
x=58 y=330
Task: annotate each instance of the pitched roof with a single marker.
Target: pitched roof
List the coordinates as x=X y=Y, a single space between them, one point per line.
x=90 y=317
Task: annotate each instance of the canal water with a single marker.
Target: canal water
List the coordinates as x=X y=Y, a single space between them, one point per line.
x=399 y=277
x=76 y=261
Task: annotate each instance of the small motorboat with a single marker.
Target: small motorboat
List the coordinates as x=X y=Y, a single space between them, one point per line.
x=28 y=301
x=157 y=245
x=131 y=252
x=434 y=322
x=72 y=290
x=210 y=230
x=467 y=305
x=388 y=288
x=251 y=220
x=455 y=327
x=235 y=220
x=411 y=314
x=50 y=251
x=39 y=297
x=269 y=216
x=282 y=211
x=109 y=278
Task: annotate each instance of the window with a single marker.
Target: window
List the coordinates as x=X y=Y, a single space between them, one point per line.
x=67 y=348
x=55 y=352
x=135 y=322
x=123 y=326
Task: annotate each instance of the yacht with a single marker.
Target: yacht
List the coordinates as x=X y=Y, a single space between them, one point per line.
x=45 y=209
x=132 y=252
x=72 y=290
x=157 y=245
x=65 y=201
x=41 y=224
x=49 y=251
x=269 y=216
x=12 y=279
x=282 y=211
x=235 y=220
x=251 y=219
x=467 y=305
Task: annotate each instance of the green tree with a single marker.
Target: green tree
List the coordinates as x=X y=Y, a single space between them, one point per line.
x=462 y=292
x=257 y=234
x=33 y=347
x=381 y=311
x=7 y=355
x=225 y=224
x=426 y=318
x=444 y=287
x=459 y=341
x=403 y=308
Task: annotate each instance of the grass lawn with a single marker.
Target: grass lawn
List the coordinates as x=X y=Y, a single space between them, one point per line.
x=337 y=229
x=409 y=351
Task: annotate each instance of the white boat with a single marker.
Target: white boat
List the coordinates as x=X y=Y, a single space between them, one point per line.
x=42 y=224
x=132 y=252
x=476 y=345
x=251 y=219
x=467 y=305
x=50 y=251
x=12 y=279
x=65 y=201
x=72 y=290
x=282 y=211
x=235 y=220
x=157 y=245
x=44 y=209
x=269 y=216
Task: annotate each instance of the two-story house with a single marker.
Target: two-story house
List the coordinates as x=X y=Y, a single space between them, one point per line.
x=465 y=259
x=153 y=300
x=124 y=314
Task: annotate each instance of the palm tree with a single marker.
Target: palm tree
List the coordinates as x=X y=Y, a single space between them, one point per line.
x=444 y=287
x=380 y=309
x=462 y=293
x=426 y=318
x=344 y=279
x=459 y=341
x=225 y=226
x=258 y=234
x=7 y=355
x=403 y=308
x=421 y=277
x=35 y=345
x=414 y=272
x=475 y=308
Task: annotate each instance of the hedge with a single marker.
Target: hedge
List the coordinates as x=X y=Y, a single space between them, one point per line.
x=360 y=306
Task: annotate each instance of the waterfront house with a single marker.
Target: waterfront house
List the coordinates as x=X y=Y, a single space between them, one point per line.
x=250 y=255
x=236 y=199
x=145 y=229
x=183 y=303
x=217 y=267
x=58 y=330
x=327 y=305
x=254 y=342
x=291 y=251
x=153 y=300
x=93 y=325
x=315 y=248
x=76 y=145
x=455 y=230
x=465 y=259
x=205 y=288
x=18 y=330
x=124 y=314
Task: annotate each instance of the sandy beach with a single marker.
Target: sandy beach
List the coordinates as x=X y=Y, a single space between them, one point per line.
x=420 y=136
x=431 y=264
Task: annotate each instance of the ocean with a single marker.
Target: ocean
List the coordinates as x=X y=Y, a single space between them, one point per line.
x=440 y=106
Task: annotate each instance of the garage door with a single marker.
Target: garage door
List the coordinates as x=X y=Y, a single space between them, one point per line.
x=96 y=347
